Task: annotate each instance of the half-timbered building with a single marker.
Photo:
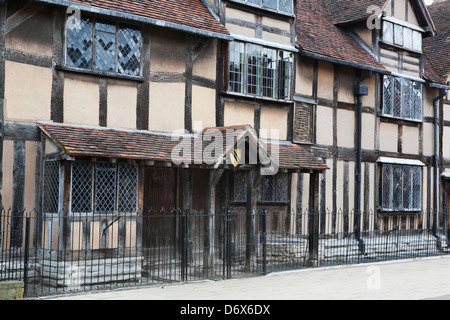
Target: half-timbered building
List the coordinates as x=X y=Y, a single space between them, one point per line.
x=109 y=110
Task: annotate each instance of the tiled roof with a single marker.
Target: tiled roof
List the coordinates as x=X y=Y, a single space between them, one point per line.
x=317 y=34
x=83 y=141
x=437 y=48
x=190 y=13
x=346 y=11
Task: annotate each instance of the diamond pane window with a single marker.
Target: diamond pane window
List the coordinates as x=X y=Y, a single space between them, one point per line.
x=104 y=187
x=398 y=35
x=408 y=38
x=401 y=188
x=129 y=51
x=127 y=188
x=103 y=46
x=271 y=189
x=402 y=98
x=285 y=6
x=51 y=186
x=82 y=173
x=80 y=44
x=388 y=32
x=281 y=6
x=402 y=36
x=417 y=41
x=270 y=4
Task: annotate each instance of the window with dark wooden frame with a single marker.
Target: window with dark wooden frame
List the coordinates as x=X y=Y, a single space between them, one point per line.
x=280 y=6
x=259 y=71
x=104 y=187
x=273 y=189
x=402 y=98
x=401 y=188
x=402 y=36
x=99 y=45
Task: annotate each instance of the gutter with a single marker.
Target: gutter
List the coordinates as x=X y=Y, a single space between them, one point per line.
x=435 y=170
x=359 y=91
x=136 y=18
x=345 y=63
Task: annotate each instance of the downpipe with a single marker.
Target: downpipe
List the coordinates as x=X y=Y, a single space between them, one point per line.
x=359 y=91
x=435 y=170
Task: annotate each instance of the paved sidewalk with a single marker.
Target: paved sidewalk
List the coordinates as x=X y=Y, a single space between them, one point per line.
x=426 y=278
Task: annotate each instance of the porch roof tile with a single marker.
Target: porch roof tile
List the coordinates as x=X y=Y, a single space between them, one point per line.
x=85 y=141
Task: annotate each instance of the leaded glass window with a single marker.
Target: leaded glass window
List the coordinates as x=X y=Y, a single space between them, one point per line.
x=272 y=188
x=103 y=187
x=259 y=71
x=401 y=188
x=51 y=186
x=103 y=46
x=402 y=98
x=402 y=36
x=281 y=6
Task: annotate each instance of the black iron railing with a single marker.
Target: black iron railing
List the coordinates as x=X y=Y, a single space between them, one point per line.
x=64 y=253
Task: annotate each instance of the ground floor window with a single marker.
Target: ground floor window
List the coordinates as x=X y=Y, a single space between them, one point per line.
x=401 y=188
x=104 y=187
x=273 y=188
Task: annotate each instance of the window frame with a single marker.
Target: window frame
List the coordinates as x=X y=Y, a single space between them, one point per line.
x=263 y=7
x=416 y=44
x=278 y=88
x=394 y=94
x=395 y=203
x=114 y=167
x=276 y=199
x=118 y=25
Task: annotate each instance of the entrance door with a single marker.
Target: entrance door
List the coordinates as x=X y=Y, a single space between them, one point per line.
x=160 y=188
x=160 y=220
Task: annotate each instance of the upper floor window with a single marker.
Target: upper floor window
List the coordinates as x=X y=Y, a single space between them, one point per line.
x=402 y=98
x=281 y=6
x=402 y=36
x=259 y=71
x=104 y=46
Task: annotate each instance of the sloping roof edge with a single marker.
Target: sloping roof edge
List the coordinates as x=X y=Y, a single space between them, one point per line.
x=141 y=19
x=140 y=145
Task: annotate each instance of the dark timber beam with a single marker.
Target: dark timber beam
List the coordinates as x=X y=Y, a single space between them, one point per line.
x=210 y=222
x=254 y=178
x=22 y=15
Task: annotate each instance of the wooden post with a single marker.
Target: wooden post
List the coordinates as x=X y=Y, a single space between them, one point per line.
x=253 y=180
x=313 y=223
x=210 y=223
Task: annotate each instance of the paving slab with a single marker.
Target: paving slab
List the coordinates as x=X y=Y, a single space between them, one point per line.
x=412 y=279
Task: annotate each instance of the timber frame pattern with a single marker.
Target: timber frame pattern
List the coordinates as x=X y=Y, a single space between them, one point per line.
x=360 y=118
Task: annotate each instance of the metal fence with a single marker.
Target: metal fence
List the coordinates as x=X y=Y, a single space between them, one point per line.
x=60 y=253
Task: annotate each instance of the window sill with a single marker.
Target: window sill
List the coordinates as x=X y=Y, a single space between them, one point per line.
x=392 y=212
x=243 y=203
x=396 y=46
x=404 y=120
x=100 y=73
x=257 y=98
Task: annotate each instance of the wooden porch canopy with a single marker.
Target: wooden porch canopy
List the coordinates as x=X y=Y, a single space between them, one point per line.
x=85 y=141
